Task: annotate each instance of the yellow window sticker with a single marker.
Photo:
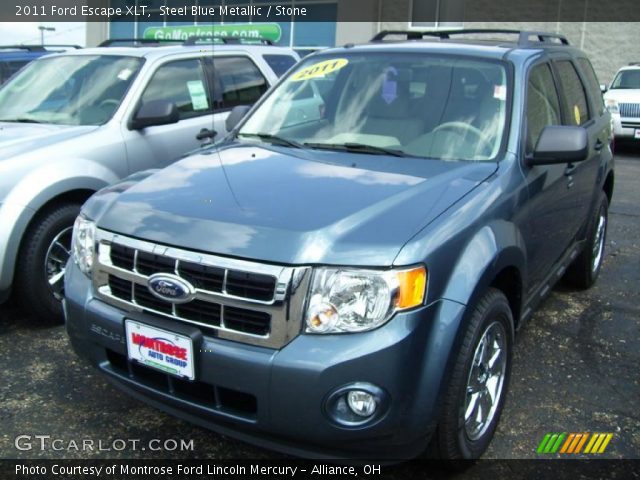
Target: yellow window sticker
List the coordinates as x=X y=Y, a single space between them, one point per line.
x=319 y=69
x=576 y=113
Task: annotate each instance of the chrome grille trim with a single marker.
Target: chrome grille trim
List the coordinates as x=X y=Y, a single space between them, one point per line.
x=629 y=110
x=286 y=306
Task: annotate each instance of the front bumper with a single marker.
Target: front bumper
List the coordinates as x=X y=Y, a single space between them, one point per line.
x=275 y=398
x=625 y=127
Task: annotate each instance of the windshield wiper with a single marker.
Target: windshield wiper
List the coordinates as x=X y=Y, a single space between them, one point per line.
x=267 y=137
x=359 y=148
x=20 y=120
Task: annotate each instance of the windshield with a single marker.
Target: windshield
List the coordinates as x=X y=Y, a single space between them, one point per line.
x=627 y=79
x=402 y=104
x=68 y=90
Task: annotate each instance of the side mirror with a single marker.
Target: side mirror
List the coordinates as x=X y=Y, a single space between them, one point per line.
x=155 y=112
x=560 y=144
x=235 y=116
x=604 y=88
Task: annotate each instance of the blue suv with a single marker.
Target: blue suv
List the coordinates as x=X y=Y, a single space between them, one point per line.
x=343 y=275
x=14 y=57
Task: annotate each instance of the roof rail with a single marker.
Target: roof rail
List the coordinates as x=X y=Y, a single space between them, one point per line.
x=524 y=36
x=194 y=39
x=137 y=42
x=634 y=64
x=62 y=45
x=30 y=48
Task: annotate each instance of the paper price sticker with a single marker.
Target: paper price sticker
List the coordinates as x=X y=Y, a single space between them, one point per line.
x=198 y=95
x=319 y=69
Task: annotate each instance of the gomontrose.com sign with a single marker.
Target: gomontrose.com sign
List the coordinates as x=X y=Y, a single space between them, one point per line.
x=266 y=31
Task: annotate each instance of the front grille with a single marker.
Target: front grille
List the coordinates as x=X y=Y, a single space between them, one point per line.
x=202 y=276
x=238 y=283
x=250 y=285
x=142 y=296
x=233 y=299
x=255 y=323
x=629 y=110
x=202 y=312
x=206 y=313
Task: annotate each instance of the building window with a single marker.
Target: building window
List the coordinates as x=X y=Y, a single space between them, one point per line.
x=436 y=13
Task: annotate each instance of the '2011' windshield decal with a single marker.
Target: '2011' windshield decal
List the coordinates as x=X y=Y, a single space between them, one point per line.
x=319 y=69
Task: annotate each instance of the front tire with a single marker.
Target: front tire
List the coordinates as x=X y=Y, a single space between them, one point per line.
x=584 y=270
x=480 y=377
x=42 y=261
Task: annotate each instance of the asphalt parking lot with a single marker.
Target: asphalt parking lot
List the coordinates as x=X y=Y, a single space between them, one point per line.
x=576 y=369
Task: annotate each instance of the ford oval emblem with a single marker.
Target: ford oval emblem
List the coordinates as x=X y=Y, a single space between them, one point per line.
x=171 y=288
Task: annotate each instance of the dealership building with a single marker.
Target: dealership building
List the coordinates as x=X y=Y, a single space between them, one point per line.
x=609 y=45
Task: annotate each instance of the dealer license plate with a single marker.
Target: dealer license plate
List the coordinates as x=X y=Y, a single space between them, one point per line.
x=160 y=349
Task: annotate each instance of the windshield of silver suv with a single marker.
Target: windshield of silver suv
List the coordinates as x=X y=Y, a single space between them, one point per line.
x=405 y=105
x=627 y=79
x=68 y=90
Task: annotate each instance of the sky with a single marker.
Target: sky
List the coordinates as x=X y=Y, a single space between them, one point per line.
x=12 y=33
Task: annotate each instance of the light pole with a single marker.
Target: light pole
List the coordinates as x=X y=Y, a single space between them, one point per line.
x=42 y=30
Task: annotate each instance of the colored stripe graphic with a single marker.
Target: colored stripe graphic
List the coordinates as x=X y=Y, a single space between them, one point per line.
x=566 y=445
x=572 y=443
x=581 y=442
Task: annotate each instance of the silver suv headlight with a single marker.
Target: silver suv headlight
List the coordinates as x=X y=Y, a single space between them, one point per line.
x=83 y=243
x=345 y=300
x=612 y=105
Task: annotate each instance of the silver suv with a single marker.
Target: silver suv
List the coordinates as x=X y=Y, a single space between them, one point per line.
x=73 y=123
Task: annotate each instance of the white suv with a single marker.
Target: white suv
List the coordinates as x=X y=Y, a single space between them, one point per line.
x=623 y=101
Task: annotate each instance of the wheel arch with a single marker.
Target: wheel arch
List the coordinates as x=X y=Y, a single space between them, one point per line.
x=608 y=186
x=76 y=190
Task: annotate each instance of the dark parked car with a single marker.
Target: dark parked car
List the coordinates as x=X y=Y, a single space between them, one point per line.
x=347 y=280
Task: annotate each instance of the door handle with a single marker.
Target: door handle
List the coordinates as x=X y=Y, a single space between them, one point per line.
x=598 y=146
x=570 y=170
x=206 y=133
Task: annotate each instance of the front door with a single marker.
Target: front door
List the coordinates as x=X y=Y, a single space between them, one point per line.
x=183 y=82
x=550 y=208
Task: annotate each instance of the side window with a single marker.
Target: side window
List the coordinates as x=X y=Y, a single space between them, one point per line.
x=280 y=63
x=575 y=100
x=237 y=82
x=543 y=106
x=593 y=84
x=8 y=69
x=182 y=82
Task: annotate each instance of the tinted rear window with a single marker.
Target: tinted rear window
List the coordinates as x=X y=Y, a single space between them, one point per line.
x=280 y=63
x=592 y=84
x=574 y=98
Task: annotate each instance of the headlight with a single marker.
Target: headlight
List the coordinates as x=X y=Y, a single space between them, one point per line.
x=612 y=105
x=83 y=243
x=351 y=300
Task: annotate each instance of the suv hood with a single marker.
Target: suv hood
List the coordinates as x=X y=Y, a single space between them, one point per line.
x=295 y=207
x=19 y=138
x=624 y=95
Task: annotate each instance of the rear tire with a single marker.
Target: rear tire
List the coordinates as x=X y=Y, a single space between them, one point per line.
x=480 y=377
x=46 y=247
x=584 y=270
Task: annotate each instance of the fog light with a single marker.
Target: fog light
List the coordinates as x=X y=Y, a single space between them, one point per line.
x=357 y=405
x=361 y=403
